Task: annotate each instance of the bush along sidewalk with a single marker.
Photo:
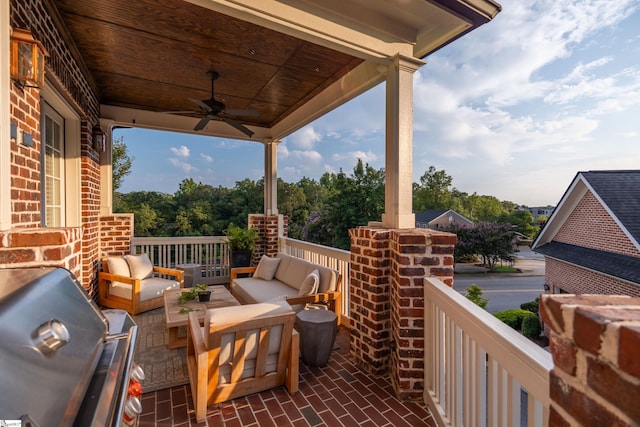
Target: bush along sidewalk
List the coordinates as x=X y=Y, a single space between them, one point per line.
x=524 y=320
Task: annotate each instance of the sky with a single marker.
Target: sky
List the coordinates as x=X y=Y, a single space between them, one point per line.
x=513 y=109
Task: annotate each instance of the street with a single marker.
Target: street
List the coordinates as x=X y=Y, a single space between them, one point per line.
x=504 y=291
x=507 y=290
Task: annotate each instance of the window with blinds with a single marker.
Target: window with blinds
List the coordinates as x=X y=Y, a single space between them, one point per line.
x=53 y=176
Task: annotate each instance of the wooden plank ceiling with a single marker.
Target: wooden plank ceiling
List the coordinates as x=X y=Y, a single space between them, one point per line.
x=155 y=54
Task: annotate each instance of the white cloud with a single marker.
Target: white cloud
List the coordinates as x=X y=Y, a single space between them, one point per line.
x=353 y=156
x=206 y=157
x=306 y=138
x=182 y=151
x=183 y=166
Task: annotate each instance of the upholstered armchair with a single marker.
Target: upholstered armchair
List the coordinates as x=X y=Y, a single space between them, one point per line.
x=241 y=350
x=133 y=284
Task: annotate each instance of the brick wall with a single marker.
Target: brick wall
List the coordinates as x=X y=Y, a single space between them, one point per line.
x=65 y=74
x=591 y=226
x=57 y=247
x=25 y=161
x=578 y=280
x=387 y=299
x=595 y=341
x=116 y=232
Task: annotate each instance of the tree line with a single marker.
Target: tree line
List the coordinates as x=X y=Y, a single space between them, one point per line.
x=319 y=211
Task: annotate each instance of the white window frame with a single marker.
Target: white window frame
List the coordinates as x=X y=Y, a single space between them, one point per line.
x=5 y=142
x=72 y=210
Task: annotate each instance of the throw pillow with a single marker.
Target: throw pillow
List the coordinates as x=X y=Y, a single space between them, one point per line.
x=266 y=268
x=310 y=283
x=140 y=266
x=118 y=265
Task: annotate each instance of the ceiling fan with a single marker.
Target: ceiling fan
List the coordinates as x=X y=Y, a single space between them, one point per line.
x=213 y=109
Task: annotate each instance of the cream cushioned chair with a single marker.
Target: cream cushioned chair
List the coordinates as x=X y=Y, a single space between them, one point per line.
x=133 y=284
x=241 y=350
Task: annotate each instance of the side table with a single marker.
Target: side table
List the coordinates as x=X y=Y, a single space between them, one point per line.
x=317 y=330
x=192 y=274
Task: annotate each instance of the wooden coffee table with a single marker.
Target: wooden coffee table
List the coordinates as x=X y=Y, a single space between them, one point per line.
x=220 y=297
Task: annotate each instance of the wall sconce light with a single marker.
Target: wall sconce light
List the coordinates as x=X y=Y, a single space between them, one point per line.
x=27 y=59
x=99 y=138
x=546 y=287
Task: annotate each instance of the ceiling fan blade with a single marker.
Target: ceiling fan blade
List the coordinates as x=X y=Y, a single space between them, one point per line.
x=202 y=105
x=246 y=113
x=202 y=123
x=180 y=112
x=238 y=126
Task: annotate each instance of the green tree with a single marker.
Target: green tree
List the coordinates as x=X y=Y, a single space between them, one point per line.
x=352 y=200
x=292 y=202
x=433 y=191
x=120 y=162
x=474 y=294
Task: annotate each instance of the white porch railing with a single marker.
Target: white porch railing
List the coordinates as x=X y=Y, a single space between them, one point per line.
x=479 y=371
x=211 y=252
x=338 y=259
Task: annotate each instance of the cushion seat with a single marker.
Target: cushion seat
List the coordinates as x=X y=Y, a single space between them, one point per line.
x=152 y=287
x=254 y=291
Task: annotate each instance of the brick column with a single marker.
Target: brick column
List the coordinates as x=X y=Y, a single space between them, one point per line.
x=387 y=299
x=595 y=344
x=269 y=227
x=415 y=254
x=370 y=298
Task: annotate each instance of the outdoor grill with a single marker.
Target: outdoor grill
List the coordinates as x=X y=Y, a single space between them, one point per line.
x=63 y=361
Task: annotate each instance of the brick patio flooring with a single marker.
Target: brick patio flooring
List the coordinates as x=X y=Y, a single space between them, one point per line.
x=338 y=394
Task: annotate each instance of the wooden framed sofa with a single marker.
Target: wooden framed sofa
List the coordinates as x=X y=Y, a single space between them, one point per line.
x=241 y=350
x=133 y=284
x=297 y=280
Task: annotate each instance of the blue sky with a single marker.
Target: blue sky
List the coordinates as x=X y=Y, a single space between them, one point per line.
x=513 y=110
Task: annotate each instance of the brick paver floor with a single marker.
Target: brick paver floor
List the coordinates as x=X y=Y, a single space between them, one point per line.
x=338 y=394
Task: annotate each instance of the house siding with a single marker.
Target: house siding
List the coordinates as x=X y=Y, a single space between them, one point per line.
x=76 y=248
x=590 y=225
x=577 y=280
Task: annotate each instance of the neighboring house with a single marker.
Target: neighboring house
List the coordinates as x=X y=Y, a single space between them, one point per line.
x=538 y=211
x=440 y=219
x=591 y=243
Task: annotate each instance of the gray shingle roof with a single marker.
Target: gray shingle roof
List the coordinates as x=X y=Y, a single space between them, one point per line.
x=429 y=215
x=620 y=191
x=622 y=266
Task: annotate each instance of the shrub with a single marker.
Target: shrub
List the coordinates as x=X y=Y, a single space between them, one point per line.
x=474 y=294
x=531 y=306
x=531 y=326
x=513 y=317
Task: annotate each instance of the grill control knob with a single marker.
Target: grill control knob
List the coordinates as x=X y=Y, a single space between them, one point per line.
x=132 y=408
x=137 y=373
x=51 y=335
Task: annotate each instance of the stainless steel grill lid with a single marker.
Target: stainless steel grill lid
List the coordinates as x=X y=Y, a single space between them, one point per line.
x=51 y=336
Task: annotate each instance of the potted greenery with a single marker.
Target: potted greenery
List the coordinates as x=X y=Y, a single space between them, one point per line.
x=199 y=291
x=241 y=244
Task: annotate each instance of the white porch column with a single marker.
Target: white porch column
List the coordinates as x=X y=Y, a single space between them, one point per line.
x=399 y=144
x=271 y=177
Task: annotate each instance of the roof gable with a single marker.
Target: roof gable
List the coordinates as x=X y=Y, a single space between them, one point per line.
x=617 y=191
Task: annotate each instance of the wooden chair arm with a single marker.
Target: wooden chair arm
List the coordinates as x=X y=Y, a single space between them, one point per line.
x=241 y=270
x=117 y=278
x=315 y=298
x=195 y=336
x=178 y=274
